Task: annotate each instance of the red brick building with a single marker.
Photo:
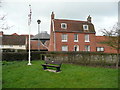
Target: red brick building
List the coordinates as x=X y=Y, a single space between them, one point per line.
x=73 y=35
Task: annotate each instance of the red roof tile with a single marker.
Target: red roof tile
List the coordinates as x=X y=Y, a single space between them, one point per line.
x=13 y=40
x=72 y=26
x=34 y=45
x=14 y=34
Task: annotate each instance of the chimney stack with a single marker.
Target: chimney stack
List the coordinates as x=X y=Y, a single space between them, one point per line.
x=89 y=19
x=52 y=15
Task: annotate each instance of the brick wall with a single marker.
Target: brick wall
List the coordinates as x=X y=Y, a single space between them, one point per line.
x=70 y=42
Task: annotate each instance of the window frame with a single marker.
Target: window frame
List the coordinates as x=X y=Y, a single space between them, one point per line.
x=10 y=45
x=85 y=26
x=88 y=48
x=88 y=38
x=77 y=48
x=65 y=46
x=100 y=49
x=75 y=38
x=64 y=24
x=64 y=37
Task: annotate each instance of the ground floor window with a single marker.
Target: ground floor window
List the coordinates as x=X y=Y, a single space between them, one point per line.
x=64 y=48
x=76 y=48
x=87 y=47
x=100 y=49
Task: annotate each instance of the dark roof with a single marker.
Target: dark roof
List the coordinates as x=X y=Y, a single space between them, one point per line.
x=73 y=26
x=41 y=36
x=13 y=40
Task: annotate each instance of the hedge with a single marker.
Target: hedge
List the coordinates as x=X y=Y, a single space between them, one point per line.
x=81 y=58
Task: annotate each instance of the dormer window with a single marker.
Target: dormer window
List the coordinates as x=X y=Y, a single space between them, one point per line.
x=63 y=25
x=85 y=27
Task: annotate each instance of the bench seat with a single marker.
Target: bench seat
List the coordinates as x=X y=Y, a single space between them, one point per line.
x=51 y=63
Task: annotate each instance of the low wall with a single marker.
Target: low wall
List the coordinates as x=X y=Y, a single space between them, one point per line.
x=81 y=58
x=84 y=58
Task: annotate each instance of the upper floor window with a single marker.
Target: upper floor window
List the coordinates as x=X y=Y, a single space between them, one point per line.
x=87 y=47
x=100 y=49
x=85 y=27
x=64 y=37
x=87 y=38
x=63 y=25
x=75 y=37
x=76 y=48
x=64 y=48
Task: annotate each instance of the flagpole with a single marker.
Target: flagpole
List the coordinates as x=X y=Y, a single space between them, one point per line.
x=29 y=22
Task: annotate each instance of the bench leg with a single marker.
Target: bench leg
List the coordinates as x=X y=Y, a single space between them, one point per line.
x=58 y=69
x=44 y=67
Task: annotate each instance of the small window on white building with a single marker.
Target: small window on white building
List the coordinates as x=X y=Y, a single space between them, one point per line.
x=20 y=45
x=100 y=49
x=64 y=37
x=11 y=45
x=87 y=47
x=63 y=25
x=76 y=48
x=64 y=48
x=85 y=27
x=87 y=38
x=75 y=37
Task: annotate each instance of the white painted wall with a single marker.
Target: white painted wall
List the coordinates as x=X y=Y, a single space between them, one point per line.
x=14 y=47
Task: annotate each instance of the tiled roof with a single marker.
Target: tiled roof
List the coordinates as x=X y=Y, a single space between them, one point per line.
x=66 y=20
x=42 y=35
x=27 y=36
x=73 y=26
x=34 y=45
x=13 y=40
x=14 y=34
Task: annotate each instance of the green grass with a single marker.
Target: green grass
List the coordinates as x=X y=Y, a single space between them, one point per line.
x=20 y=75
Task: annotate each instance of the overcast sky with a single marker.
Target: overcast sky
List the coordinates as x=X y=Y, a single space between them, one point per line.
x=104 y=14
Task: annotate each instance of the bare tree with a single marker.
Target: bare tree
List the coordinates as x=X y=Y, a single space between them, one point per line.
x=113 y=40
x=3 y=23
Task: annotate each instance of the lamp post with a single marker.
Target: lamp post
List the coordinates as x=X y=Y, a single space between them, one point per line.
x=38 y=21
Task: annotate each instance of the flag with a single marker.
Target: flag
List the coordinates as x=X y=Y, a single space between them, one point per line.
x=29 y=15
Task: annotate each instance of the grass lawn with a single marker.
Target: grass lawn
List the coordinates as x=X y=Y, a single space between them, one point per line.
x=18 y=74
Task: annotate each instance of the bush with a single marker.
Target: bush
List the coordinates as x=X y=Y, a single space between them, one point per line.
x=19 y=56
x=84 y=58
x=14 y=56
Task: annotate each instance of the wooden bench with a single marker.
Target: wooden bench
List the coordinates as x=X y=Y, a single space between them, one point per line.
x=51 y=63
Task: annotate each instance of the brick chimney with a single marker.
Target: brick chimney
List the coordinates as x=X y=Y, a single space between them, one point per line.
x=52 y=15
x=89 y=19
x=1 y=33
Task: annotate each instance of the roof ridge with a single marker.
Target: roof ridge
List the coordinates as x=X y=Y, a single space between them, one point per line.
x=71 y=20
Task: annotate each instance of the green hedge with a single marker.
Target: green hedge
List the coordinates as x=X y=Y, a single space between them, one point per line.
x=81 y=58
x=13 y=56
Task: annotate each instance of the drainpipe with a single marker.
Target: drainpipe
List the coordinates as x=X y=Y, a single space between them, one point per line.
x=54 y=36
